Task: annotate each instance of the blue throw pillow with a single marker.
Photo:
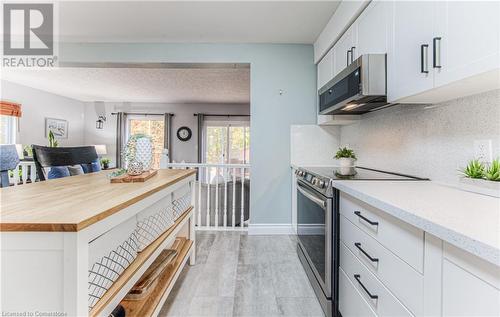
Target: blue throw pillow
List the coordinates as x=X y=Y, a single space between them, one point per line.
x=58 y=172
x=92 y=167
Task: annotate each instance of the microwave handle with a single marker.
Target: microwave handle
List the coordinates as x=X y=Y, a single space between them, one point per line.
x=310 y=196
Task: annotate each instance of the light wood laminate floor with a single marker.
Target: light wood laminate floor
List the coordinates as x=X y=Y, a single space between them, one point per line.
x=240 y=275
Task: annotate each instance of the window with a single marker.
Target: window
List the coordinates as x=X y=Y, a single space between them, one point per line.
x=153 y=126
x=226 y=142
x=8 y=129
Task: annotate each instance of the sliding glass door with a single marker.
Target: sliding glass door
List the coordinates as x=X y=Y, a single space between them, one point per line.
x=226 y=142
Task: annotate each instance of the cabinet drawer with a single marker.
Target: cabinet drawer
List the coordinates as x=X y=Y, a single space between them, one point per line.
x=379 y=298
x=351 y=302
x=399 y=277
x=404 y=240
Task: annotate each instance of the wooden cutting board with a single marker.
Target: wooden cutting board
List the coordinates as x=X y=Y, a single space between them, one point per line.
x=125 y=178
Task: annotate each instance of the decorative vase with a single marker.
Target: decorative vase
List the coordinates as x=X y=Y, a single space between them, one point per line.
x=144 y=152
x=134 y=168
x=346 y=162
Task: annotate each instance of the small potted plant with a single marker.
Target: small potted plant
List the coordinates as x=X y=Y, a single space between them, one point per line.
x=484 y=178
x=105 y=163
x=346 y=157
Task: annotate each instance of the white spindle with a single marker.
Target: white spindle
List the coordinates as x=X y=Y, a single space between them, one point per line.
x=234 y=197
x=24 y=172
x=216 y=224
x=242 y=196
x=224 y=173
x=16 y=174
x=199 y=197
x=32 y=172
x=208 y=199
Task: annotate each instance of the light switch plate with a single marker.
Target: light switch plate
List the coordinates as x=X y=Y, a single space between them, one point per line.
x=483 y=151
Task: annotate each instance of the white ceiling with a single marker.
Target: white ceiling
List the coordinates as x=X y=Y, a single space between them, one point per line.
x=167 y=85
x=194 y=21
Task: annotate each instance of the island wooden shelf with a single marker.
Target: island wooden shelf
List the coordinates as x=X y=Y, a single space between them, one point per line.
x=140 y=264
x=74 y=203
x=152 y=303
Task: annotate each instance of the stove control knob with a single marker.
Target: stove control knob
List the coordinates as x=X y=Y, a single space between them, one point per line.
x=300 y=173
x=321 y=184
x=314 y=181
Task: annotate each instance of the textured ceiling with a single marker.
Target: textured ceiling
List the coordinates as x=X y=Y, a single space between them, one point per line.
x=194 y=21
x=169 y=85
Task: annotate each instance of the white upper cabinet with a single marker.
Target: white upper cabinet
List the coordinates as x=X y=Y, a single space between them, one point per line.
x=467 y=39
x=342 y=51
x=325 y=69
x=373 y=27
x=409 y=59
x=438 y=48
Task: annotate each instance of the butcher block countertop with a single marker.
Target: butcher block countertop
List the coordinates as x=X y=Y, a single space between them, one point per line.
x=74 y=203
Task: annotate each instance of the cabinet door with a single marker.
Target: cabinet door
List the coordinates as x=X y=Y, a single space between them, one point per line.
x=373 y=27
x=464 y=294
x=325 y=69
x=470 y=39
x=412 y=27
x=342 y=50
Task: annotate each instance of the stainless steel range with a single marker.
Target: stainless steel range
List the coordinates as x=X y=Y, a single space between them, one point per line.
x=318 y=225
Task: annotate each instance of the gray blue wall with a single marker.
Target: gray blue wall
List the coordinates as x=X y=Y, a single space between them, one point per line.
x=273 y=67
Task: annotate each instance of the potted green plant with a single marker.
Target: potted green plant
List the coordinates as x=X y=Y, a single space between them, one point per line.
x=52 y=140
x=105 y=163
x=481 y=177
x=346 y=157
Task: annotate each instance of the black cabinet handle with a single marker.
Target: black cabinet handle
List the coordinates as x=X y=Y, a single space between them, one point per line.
x=436 y=52
x=358 y=278
x=373 y=223
x=423 y=58
x=358 y=245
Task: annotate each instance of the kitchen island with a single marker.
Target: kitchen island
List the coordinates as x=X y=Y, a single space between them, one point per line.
x=77 y=245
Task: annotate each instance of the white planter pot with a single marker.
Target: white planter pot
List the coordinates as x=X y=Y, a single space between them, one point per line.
x=346 y=162
x=480 y=186
x=144 y=152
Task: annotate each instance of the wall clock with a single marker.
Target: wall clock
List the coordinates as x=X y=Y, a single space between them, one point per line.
x=184 y=133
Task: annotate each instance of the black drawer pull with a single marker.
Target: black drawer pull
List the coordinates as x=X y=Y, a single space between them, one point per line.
x=373 y=223
x=358 y=245
x=358 y=277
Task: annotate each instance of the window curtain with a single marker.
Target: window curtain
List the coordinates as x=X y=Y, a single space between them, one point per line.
x=201 y=119
x=167 y=126
x=121 y=134
x=10 y=109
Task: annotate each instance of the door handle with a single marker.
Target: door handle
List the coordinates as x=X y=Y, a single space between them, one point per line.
x=358 y=245
x=358 y=278
x=424 y=68
x=352 y=53
x=358 y=213
x=310 y=196
x=436 y=52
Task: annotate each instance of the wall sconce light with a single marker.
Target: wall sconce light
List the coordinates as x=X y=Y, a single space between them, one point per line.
x=99 y=124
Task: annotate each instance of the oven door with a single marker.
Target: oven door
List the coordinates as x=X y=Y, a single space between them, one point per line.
x=314 y=232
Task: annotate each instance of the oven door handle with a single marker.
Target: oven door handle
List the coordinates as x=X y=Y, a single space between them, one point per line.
x=312 y=197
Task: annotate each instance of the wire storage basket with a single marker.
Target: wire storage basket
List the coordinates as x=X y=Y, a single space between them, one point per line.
x=108 y=268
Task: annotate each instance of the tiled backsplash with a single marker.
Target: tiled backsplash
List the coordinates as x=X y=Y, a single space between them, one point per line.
x=426 y=140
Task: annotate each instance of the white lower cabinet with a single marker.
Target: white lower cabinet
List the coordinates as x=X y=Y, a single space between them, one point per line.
x=376 y=278
x=379 y=298
x=351 y=302
x=470 y=285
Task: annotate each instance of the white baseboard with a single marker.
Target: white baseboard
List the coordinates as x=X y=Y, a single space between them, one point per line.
x=270 y=229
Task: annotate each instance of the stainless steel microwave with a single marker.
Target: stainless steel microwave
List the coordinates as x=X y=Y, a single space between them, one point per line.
x=359 y=88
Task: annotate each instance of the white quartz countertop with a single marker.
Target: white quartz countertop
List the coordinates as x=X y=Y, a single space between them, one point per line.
x=467 y=220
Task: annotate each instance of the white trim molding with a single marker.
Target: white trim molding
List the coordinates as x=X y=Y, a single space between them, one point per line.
x=270 y=229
